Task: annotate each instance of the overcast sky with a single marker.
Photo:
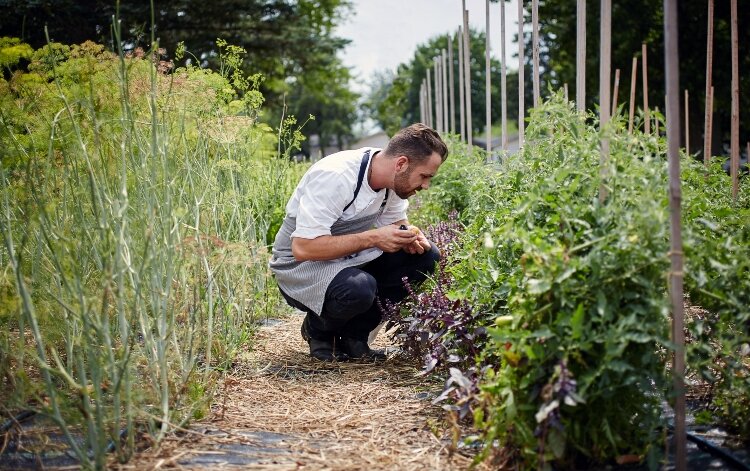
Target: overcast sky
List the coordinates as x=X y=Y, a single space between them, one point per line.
x=385 y=33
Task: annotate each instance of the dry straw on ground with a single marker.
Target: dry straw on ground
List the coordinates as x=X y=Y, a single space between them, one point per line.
x=282 y=410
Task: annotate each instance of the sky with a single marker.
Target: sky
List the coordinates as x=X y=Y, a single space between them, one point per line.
x=385 y=33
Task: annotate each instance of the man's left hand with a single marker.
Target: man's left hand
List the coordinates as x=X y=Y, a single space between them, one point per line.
x=420 y=245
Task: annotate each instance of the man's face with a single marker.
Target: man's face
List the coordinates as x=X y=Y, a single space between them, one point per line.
x=412 y=177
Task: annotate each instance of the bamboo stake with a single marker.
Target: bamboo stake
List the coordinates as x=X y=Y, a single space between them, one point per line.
x=503 y=81
x=535 y=48
x=710 y=126
x=520 y=75
x=451 y=91
x=444 y=87
x=687 y=123
x=615 y=90
x=461 y=92
x=675 y=200
x=487 y=83
x=439 y=94
x=421 y=103
x=707 y=121
x=646 y=114
x=581 y=56
x=467 y=78
x=605 y=52
x=429 y=99
x=735 y=126
x=633 y=77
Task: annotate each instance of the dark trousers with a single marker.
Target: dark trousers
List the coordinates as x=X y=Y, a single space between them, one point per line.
x=350 y=309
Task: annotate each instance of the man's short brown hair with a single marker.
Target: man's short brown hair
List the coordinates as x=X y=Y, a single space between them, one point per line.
x=417 y=142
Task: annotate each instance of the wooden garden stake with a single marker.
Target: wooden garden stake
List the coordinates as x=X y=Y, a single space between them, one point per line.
x=421 y=104
x=430 y=123
x=565 y=90
x=646 y=114
x=605 y=50
x=487 y=82
x=633 y=77
x=451 y=92
x=467 y=78
x=735 y=127
x=461 y=93
x=438 y=98
x=520 y=75
x=615 y=90
x=709 y=127
x=675 y=200
x=687 y=123
x=444 y=70
x=581 y=55
x=535 y=48
x=707 y=122
x=503 y=81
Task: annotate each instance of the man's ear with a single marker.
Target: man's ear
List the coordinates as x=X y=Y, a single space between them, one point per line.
x=402 y=163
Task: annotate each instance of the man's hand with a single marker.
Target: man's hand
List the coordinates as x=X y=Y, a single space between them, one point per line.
x=420 y=244
x=390 y=238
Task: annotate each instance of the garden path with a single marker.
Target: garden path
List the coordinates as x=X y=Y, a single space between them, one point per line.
x=280 y=410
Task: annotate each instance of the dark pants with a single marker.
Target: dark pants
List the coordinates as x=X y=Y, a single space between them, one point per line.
x=349 y=308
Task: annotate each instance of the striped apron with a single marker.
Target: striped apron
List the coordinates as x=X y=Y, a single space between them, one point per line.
x=307 y=281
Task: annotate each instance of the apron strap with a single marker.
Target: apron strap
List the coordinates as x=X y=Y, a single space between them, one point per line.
x=362 y=169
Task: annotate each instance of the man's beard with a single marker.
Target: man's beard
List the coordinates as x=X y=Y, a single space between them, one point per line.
x=401 y=185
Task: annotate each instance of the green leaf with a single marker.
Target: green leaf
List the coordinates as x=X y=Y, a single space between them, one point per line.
x=576 y=322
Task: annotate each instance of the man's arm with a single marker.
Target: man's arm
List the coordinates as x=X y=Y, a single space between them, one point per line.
x=388 y=238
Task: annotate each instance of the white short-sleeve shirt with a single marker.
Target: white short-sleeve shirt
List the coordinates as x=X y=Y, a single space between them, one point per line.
x=328 y=186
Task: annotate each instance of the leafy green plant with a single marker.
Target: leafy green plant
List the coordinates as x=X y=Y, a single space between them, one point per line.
x=135 y=209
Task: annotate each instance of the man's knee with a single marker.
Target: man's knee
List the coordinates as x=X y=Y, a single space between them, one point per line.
x=429 y=259
x=352 y=291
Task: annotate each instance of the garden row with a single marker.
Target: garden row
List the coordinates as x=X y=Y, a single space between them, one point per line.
x=136 y=211
x=551 y=314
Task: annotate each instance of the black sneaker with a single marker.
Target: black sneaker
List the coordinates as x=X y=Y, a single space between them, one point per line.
x=358 y=349
x=321 y=349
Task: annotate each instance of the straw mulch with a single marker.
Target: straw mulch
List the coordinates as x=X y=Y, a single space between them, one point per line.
x=282 y=410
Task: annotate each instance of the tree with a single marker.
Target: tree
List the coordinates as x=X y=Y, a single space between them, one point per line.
x=290 y=42
x=394 y=99
x=640 y=21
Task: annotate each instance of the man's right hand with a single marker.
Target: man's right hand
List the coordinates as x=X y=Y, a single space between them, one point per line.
x=390 y=238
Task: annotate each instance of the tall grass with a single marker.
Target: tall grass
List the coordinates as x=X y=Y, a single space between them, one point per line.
x=136 y=208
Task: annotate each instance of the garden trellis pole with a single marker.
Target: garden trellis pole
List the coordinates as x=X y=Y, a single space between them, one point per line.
x=520 y=75
x=461 y=94
x=535 y=48
x=421 y=103
x=503 y=80
x=487 y=83
x=581 y=56
x=446 y=108
x=734 y=137
x=452 y=93
x=672 y=85
x=707 y=122
x=646 y=114
x=687 y=123
x=605 y=54
x=633 y=78
x=429 y=99
x=467 y=78
x=615 y=90
x=438 y=96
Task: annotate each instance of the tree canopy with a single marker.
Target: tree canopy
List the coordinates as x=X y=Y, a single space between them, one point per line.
x=290 y=42
x=394 y=99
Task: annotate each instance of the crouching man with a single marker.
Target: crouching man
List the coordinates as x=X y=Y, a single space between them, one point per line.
x=345 y=240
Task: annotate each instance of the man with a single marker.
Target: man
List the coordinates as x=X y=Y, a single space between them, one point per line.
x=345 y=240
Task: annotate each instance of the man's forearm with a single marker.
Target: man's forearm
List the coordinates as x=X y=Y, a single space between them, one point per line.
x=330 y=247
